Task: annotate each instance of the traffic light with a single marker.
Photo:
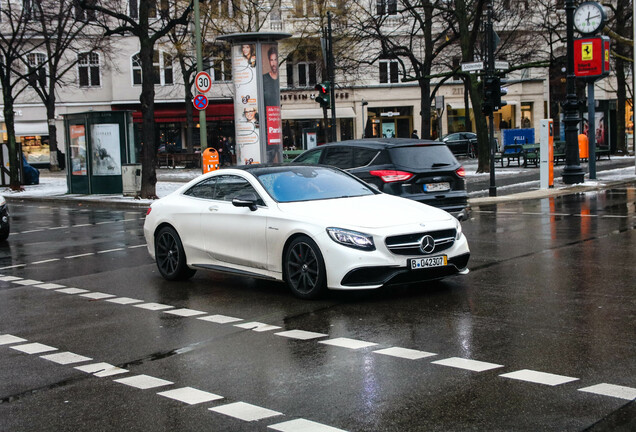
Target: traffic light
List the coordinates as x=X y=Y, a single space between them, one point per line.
x=323 y=97
x=492 y=95
x=499 y=92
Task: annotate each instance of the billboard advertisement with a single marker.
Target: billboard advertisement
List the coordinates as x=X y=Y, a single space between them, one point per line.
x=246 y=115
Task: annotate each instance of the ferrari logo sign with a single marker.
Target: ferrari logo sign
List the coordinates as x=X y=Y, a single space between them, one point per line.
x=587 y=51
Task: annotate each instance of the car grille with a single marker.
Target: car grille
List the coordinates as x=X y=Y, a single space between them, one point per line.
x=409 y=244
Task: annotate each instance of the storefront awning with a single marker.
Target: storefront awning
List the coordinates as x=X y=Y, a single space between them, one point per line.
x=31 y=128
x=315 y=113
x=175 y=113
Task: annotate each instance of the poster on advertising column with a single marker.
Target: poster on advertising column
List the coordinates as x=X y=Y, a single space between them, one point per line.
x=271 y=99
x=246 y=114
x=106 y=151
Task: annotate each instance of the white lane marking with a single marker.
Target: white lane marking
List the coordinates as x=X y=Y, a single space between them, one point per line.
x=80 y=255
x=10 y=278
x=110 y=250
x=143 y=382
x=101 y=369
x=13 y=266
x=72 y=291
x=27 y=282
x=245 y=411
x=190 y=395
x=348 y=343
x=185 y=312
x=33 y=348
x=7 y=339
x=220 y=319
x=32 y=231
x=45 y=261
x=472 y=365
x=302 y=425
x=612 y=390
x=124 y=300
x=257 y=326
x=65 y=358
x=137 y=246
x=301 y=334
x=49 y=286
x=105 y=222
x=97 y=295
x=153 y=306
x=538 y=377
x=81 y=225
x=57 y=228
x=405 y=353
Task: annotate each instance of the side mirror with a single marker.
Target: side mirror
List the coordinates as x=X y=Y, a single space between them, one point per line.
x=248 y=200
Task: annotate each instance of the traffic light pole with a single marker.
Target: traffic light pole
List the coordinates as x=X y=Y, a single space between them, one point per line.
x=332 y=78
x=490 y=73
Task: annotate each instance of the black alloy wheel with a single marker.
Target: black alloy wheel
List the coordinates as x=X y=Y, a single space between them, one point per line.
x=305 y=268
x=170 y=256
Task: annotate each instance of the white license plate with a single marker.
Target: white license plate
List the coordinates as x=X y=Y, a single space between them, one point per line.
x=421 y=263
x=436 y=187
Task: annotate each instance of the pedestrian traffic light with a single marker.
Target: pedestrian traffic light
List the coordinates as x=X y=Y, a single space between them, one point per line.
x=323 y=97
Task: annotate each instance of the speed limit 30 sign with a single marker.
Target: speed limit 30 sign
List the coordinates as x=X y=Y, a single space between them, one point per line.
x=203 y=82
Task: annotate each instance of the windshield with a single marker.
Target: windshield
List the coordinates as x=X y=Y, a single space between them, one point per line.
x=298 y=183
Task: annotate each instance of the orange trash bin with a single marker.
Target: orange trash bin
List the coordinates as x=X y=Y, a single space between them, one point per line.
x=210 y=160
x=584 y=148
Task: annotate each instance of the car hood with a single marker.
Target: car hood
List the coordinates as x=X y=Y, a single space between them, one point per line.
x=373 y=211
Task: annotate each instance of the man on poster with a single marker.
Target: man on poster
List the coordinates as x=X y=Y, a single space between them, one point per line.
x=271 y=100
x=271 y=85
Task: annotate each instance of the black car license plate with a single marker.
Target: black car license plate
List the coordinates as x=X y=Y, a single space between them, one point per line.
x=422 y=263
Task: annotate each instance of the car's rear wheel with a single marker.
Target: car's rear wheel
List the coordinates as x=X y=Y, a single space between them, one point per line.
x=305 y=268
x=170 y=256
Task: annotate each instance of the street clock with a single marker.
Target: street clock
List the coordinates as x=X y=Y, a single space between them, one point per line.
x=589 y=18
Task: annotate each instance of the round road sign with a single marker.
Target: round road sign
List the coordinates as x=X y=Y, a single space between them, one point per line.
x=203 y=82
x=200 y=102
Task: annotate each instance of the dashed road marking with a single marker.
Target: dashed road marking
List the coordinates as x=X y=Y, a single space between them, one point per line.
x=45 y=261
x=33 y=348
x=10 y=278
x=110 y=250
x=257 y=326
x=49 y=286
x=65 y=358
x=302 y=425
x=80 y=255
x=72 y=291
x=7 y=339
x=97 y=295
x=185 y=312
x=13 y=266
x=611 y=390
x=153 y=306
x=301 y=334
x=538 y=377
x=190 y=396
x=472 y=365
x=220 y=319
x=406 y=353
x=348 y=343
x=101 y=369
x=245 y=411
x=27 y=282
x=124 y=300
x=143 y=382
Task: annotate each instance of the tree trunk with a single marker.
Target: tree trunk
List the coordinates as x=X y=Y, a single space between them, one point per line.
x=50 y=116
x=483 y=142
x=149 y=146
x=425 y=107
x=14 y=156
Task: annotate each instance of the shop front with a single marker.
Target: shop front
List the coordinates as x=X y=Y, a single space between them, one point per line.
x=304 y=128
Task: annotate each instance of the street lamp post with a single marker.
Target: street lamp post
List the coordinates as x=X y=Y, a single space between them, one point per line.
x=364 y=128
x=572 y=173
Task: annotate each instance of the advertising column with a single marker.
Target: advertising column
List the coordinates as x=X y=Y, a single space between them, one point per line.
x=257 y=113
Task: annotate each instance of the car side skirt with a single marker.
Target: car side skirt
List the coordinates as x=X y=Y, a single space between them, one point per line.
x=240 y=272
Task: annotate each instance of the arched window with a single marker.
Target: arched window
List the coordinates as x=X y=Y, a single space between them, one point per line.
x=162 y=68
x=88 y=69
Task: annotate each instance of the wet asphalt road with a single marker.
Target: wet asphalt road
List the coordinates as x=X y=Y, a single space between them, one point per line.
x=548 y=310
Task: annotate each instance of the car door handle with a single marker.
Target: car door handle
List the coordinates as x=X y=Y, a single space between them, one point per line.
x=213 y=208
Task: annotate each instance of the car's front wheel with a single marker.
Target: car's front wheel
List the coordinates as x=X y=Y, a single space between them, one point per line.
x=170 y=256
x=305 y=268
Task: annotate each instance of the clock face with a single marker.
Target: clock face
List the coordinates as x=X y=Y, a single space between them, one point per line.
x=589 y=17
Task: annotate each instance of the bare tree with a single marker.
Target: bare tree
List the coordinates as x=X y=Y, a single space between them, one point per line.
x=15 y=44
x=150 y=21
x=62 y=27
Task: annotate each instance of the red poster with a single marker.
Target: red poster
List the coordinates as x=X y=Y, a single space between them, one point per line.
x=591 y=57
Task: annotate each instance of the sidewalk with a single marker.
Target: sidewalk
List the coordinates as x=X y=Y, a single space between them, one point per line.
x=53 y=187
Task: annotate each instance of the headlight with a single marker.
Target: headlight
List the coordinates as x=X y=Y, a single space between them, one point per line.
x=458 y=227
x=352 y=239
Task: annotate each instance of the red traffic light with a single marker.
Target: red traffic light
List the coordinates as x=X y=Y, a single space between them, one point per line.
x=322 y=88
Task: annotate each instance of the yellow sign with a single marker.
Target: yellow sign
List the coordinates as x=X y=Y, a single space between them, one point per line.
x=587 y=51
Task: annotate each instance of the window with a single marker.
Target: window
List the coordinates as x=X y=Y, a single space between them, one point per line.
x=303 y=73
x=220 y=69
x=82 y=14
x=133 y=8
x=225 y=8
x=386 y=7
x=229 y=187
x=36 y=70
x=204 y=190
x=306 y=74
x=340 y=157
x=161 y=65
x=88 y=68
x=304 y=8
x=31 y=9
x=389 y=71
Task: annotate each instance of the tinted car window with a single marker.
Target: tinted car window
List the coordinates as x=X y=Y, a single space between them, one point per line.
x=229 y=187
x=204 y=189
x=340 y=157
x=310 y=157
x=362 y=156
x=418 y=157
